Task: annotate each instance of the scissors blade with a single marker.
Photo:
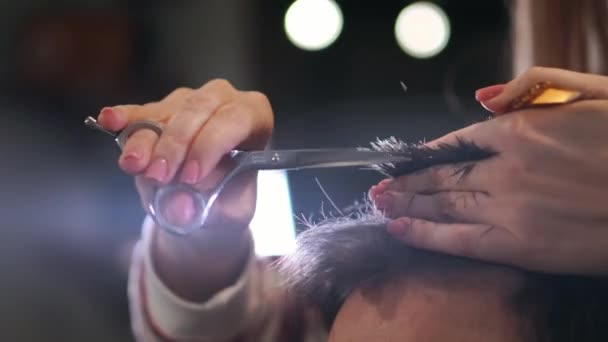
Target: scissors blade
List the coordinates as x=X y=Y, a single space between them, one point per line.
x=317 y=158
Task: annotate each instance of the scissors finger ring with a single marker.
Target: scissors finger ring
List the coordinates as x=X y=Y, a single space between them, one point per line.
x=202 y=203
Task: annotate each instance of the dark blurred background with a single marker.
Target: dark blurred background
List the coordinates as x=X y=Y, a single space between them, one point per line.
x=69 y=217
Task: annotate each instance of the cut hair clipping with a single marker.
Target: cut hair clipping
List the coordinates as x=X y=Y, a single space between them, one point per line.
x=544 y=94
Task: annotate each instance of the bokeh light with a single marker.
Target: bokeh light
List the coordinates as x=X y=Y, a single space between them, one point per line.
x=313 y=24
x=422 y=30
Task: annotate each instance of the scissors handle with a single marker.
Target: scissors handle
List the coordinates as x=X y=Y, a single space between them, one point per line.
x=122 y=136
x=92 y=123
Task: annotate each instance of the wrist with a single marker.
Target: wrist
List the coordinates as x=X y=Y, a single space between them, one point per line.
x=196 y=267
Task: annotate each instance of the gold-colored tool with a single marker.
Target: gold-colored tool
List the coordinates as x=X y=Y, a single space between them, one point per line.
x=544 y=94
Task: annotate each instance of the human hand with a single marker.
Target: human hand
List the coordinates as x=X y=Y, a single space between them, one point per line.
x=200 y=127
x=540 y=204
x=502 y=99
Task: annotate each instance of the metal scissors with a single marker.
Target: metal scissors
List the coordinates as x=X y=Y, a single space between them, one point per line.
x=246 y=161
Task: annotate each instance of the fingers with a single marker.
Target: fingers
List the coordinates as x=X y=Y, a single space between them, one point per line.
x=451 y=177
x=231 y=126
x=589 y=85
x=483 y=135
x=137 y=151
x=448 y=206
x=245 y=120
x=181 y=129
x=118 y=117
x=199 y=128
x=479 y=241
x=467 y=177
x=484 y=94
x=464 y=176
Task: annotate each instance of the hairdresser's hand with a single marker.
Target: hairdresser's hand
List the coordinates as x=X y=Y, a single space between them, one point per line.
x=200 y=127
x=540 y=204
x=500 y=98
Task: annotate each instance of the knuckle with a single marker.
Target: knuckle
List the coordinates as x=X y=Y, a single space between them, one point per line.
x=201 y=101
x=399 y=183
x=263 y=106
x=149 y=105
x=436 y=176
x=219 y=83
x=466 y=243
x=180 y=92
x=420 y=231
x=236 y=111
x=173 y=141
x=534 y=73
x=446 y=206
x=207 y=146
x=258 y=98
x=513 y=125
x=515 y=172
x=231 y=108
x=522 y=213
x=511 y=172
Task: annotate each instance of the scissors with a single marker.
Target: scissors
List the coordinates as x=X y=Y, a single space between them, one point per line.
x=246 y=161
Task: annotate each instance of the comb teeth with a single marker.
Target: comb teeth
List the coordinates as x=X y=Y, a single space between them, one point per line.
x=423 y=157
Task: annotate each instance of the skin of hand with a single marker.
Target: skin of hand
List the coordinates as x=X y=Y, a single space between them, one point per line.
x=200 y=127
x=539 y=204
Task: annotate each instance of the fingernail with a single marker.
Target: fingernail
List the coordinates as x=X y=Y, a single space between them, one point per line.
x=190 y=173
x=157 y=170
x=106 y=111
x=179 y=209
x=109 y=112
x=132 y=155
x=488 y=93
x=371 y=194
x=111 y=118
x=382 y=201
x=492 y=107
x=378 y=189
x=130 y=161
x=399 y=227
x=384 y=184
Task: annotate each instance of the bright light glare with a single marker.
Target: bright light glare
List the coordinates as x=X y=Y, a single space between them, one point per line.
x=313 y=24
x=422 y=29
x=273 y=225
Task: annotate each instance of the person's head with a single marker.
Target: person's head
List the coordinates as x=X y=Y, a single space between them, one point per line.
x=562 y=34
x=371 y=287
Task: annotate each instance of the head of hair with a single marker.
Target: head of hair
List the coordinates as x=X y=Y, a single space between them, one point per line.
x=338 y=256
